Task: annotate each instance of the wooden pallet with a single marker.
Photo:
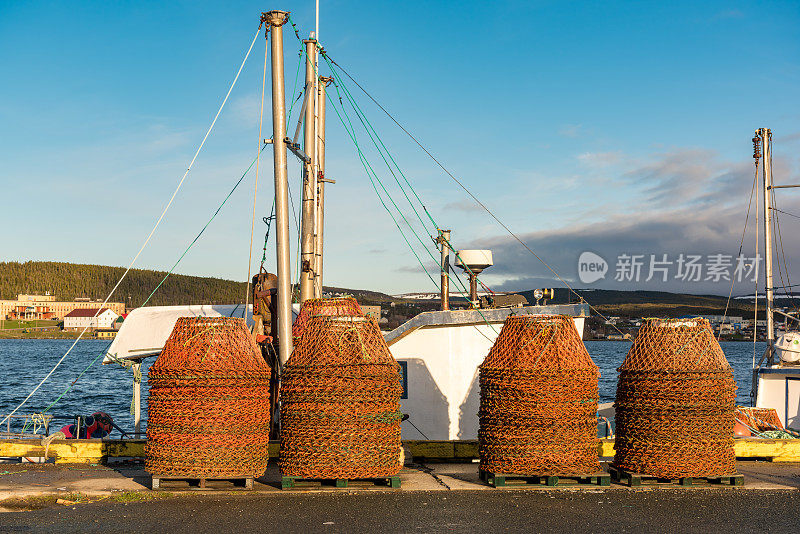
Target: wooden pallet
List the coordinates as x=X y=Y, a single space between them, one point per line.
x=201 y=483
x=498 y=480
x=631 y=479
x=299 y=482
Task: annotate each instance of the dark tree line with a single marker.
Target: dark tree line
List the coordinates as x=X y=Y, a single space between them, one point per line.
x=68 y=281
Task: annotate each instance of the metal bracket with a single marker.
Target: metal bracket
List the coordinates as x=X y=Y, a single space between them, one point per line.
x=295 y=149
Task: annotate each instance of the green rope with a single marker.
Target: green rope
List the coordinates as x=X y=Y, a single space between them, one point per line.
x=203 y=230
x=294 y=88
x=373 y=177
x=370 y=172
x=368 y=126
x=368 y=168
x=457 y=279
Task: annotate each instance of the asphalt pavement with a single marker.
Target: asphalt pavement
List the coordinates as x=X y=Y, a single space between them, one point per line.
x=650 y=510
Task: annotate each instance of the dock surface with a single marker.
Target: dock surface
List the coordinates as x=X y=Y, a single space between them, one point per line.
x=433 y=497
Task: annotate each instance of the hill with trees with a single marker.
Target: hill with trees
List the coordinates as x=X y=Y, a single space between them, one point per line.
x=68 y=281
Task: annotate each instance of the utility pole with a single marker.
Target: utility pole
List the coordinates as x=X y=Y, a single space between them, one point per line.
x=276 y=20
x=765 y=134
x=444 y=242
x=320 y=148
x=307 y=239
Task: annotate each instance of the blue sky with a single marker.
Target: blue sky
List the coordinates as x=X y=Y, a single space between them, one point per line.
x=614 y=127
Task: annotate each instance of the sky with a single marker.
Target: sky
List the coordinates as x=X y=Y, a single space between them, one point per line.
x=618 y=129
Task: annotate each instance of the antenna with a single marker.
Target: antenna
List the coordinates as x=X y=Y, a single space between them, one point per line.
x=316 y=25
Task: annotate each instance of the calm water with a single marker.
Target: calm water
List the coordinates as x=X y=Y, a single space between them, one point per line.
x=108 y=388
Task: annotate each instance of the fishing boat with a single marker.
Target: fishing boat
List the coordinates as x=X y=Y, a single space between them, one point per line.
x=438 y=351
x=776 y=376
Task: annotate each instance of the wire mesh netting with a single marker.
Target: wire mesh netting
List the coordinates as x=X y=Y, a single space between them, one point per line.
x=759 y=419
x=675 y=403
x=329 y=307
x=340 y=402
x=208 y=409
x=539 y=394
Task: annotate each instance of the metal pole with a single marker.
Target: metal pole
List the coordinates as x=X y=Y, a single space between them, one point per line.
x=473 y=289
x=307 y=240
x=766 y=143
x=137 y=399
x=276 y=20
x=321 y=96
x=444 y=240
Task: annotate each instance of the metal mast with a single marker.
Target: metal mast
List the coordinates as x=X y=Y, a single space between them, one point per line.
x=320 y=207
x=765 y=134
x=444 y=243
x=276 y=20
x=307 y=240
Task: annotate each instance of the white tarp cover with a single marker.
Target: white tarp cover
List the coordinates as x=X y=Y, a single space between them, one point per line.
x=145 y=330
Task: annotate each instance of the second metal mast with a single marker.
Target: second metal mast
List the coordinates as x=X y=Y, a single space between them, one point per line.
x=309 y=212
x=765 y=134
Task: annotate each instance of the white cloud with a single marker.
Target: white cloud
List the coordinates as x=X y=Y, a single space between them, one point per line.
x=571 y=130
x=599 y=159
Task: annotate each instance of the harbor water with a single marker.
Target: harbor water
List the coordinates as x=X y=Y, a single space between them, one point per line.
x=108 y=388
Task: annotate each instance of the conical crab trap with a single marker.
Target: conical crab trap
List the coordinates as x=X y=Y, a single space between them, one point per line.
x=340 y=402
x=208 y=409
x=329 y=307
x=539 y=393
x=675 y=403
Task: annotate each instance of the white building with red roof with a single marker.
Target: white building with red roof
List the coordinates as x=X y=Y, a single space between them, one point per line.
x=93 y=318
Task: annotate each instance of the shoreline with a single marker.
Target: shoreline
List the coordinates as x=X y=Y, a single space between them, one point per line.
x=18 y=334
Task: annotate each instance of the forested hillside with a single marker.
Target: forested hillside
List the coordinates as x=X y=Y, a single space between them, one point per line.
x=68 y=281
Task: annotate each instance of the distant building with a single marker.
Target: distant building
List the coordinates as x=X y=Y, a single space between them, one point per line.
x=105 y=334
x=90 y=318
x=46 y=307
x=372 y=311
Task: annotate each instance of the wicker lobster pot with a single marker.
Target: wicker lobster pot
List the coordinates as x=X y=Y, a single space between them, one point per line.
x=208 y=409
x=330 y=307
x=675 y=403
x=539 y=393
x=340 y=402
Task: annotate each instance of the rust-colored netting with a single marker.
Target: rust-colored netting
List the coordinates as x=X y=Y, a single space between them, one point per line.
x=675 y=403
x=332 y=307
x=208 y=409
x=760 y=419
x=539 y=393
x=340 y=402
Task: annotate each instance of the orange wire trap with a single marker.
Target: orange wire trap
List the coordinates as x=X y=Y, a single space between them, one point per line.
x=675 y=403
x=539 y=393
x=208 y=410
x=340 y=402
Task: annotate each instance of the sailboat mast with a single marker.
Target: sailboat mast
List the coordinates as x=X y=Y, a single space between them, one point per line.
x=765 y=134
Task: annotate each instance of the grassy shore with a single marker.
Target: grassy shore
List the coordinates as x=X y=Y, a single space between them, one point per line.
x=50 y=333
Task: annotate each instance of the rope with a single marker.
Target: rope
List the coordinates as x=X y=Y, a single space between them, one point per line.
x=741 y=246
x=126 y=363
x=370 y=131
x=466 y=190
x=255 y=187
x=371 y=173
x=146 y=241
